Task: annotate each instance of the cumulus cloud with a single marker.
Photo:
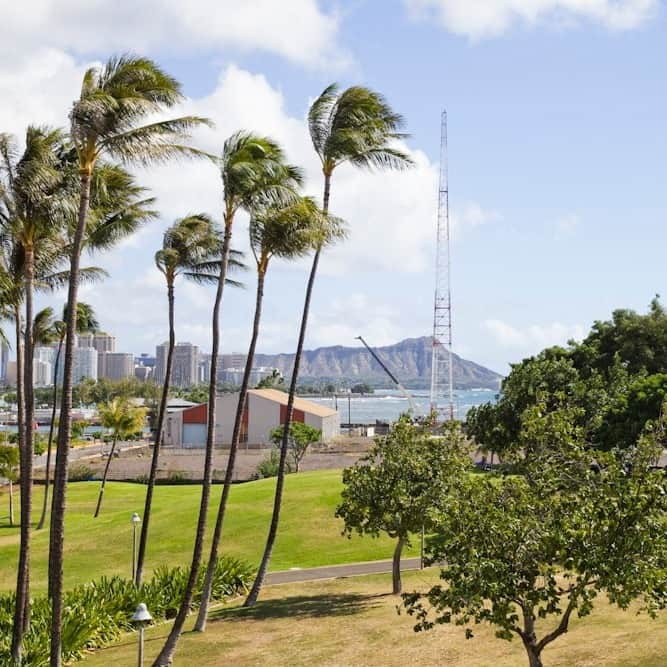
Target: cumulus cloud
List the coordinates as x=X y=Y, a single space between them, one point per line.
x=532 y=338
x=490 y=18
x=298 y=30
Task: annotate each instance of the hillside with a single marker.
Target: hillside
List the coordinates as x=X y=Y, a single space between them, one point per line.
x=409 y=360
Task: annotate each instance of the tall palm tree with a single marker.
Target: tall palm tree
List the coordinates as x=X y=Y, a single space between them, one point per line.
x=253 y=170
x=287 y=232
x=359 y=127
x=32 y=211
x=86 y=322
x=109 y=118
x=190 y=247
x=124 y=419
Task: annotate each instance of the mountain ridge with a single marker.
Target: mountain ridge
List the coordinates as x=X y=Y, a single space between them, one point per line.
x=409 y=360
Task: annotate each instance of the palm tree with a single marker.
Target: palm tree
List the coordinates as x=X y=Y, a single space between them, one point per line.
x=356 y=126
x=9 y=460
x=33 y=208
x=106 y=120
x=124 y=420
x=253 y=171
x=86 y=322
x=287 y=232
x=190 y=248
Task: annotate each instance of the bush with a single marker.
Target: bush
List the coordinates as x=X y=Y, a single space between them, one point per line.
x=80 y=473
x=96 y=613
x=269 y=466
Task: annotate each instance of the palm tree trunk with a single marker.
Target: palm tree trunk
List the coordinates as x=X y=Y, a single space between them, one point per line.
x=166 y=654
x=11 y=502
x=49 y=447
x=200 y=625
x=143 y=540
x=22 y=609
x=58 y=504
x=284 y=446
x=104 y=476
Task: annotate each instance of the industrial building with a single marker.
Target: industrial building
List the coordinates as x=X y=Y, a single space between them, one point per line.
x=265 y=410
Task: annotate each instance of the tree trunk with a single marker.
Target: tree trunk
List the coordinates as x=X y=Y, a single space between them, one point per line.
x=11 y=503
x=534 y=657
x=104 y=476
x=167 y=653
x=22 y=609
x=49 y=447
x=280 y=481
x=152 y=476
x=58 y=503
x=396 y=567
x=200 y=625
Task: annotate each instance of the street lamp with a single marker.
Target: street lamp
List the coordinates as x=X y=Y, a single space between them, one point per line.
x=136 y=520
x=141 y=618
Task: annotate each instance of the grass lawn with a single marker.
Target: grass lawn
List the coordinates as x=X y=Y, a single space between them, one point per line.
x=353 y=622
x=309 y=534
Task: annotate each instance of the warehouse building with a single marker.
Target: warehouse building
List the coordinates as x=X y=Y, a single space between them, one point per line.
x=265 y=410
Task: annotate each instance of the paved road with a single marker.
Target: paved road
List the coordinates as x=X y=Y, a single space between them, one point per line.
x=334 y=571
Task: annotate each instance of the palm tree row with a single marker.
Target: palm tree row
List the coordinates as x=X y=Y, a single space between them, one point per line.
x=63 y=195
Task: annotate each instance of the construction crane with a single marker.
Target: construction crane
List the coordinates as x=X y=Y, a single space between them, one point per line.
x=394 y=379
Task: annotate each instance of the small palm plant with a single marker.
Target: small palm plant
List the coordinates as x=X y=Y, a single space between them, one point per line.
x=9 y=461
x=54 y=332
x=355 y=126
x=124 y=420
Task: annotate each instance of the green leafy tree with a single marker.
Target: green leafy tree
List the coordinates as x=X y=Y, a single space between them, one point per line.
x=9 y=461
x=114 y=117
x=300 y=438
x=403 y=481
x=546 y=542
x=124 y=420
x=273 y=381
x=356 y=126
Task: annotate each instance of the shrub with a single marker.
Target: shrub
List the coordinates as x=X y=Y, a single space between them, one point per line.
x=269 y=466
x=80 y=473
x=96 y=613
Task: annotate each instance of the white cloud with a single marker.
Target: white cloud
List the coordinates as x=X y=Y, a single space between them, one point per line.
x=531 y=339
x=480 y=19
x=567 y=225
x=297 y=30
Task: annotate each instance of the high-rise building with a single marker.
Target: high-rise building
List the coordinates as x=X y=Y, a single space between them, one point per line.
x=4 y=361
x=102 y=342
x=42 y=373
x=142 y=373
x=85 y=365
x=184 y=365
x=234 y=361
x=145 y=359
x=115 y=365
x=10 y=377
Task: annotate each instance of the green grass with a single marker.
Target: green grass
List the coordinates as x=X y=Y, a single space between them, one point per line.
x=353 y=622
x=310 y=535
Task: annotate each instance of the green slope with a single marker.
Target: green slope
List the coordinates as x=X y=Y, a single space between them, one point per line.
x=309 y=535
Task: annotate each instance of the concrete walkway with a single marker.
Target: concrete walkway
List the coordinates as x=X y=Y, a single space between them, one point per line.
x=296 y=575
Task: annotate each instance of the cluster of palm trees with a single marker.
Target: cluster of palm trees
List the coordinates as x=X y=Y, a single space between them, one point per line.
x=69 y=192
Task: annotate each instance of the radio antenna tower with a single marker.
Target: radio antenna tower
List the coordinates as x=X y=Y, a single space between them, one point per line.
x=442 y=372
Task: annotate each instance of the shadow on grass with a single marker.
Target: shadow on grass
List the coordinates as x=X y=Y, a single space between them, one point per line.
x=301 y=606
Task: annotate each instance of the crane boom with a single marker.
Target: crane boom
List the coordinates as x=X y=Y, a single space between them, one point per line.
x=394 y=379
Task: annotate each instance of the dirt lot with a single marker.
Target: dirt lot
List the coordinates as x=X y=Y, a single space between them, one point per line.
x=134 y=462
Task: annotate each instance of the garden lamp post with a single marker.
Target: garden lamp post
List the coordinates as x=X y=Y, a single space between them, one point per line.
x=141 y=618
x=136 y=520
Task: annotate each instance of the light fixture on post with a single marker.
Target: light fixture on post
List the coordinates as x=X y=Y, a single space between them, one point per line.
x=136 y=520
x=141 y=618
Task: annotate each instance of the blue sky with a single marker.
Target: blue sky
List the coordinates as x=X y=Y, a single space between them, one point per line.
x=557 y=112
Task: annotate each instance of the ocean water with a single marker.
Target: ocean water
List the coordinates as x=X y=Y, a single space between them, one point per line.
x=388 y=404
